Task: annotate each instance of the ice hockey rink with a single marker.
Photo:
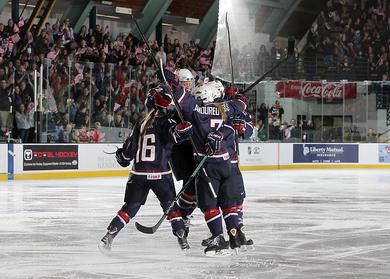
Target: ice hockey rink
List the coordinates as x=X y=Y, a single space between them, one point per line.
x=305 y=224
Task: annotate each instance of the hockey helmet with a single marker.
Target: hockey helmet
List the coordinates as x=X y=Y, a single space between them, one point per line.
x=219 y=88
x=204 y=93
x=185 y=75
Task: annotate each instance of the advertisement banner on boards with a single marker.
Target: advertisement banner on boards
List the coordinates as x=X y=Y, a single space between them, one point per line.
x=326 y=153
x=50 y=157
x=310 y=90
x=384 y=153
x=258 y=154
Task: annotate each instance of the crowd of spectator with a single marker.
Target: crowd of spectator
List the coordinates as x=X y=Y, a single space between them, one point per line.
x=353 y=36
x=93 y=79
x=90 y=78
x=270 y=126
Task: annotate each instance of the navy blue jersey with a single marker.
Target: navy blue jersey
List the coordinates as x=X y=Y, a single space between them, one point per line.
x=207 y=118
x=232 y=148
x=150 y=153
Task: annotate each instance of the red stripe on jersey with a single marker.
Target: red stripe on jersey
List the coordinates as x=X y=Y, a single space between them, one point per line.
x=211 y=213
x=226 y=211
x=124 y=216
x=239 y=207
x=174 y=214
x=187 y=197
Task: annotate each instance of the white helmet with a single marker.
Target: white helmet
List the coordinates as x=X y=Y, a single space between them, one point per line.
x=219 y=88
x=185 y=75
x=204 y=93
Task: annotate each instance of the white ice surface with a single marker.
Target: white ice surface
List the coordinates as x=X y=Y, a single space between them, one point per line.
x=305 y=224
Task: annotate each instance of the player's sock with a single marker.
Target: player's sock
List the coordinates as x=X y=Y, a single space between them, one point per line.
x=120 y=220
x=187 y=204
x=240 y=213
x=231 y=217
x=176 y=221
x=214 y=221
x=231 y=220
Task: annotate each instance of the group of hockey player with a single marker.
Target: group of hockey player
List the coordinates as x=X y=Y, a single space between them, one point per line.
x=204 y=130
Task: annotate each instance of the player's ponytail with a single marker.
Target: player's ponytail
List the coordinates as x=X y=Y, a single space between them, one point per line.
x=148 y=121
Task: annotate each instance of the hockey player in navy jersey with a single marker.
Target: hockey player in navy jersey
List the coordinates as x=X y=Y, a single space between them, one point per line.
x=243 y=126
x=182 y=161
x=149 y=146
x=211 y=137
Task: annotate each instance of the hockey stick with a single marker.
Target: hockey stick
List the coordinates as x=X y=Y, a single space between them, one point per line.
x=153 y=229
x=236 y=140
x=230 y=51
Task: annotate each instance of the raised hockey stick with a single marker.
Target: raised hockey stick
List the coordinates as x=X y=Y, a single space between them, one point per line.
x=236 y=140
x=153 y=229
x=230 y=51
x=177 y=106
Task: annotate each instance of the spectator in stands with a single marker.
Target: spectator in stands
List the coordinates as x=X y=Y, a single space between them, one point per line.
x=161 y=55
x=5 y=105
x=23 y=123
x=277 y=110
x=66 y=134
x=262 y=134
x=372 y=136
x=295 y=132
x=307 y=130
x=96 y=135
x=275 y=129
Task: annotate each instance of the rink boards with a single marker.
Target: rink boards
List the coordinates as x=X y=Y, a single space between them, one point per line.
x=43 y=161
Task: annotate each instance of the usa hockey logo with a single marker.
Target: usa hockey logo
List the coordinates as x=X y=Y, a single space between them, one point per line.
x=28 y=154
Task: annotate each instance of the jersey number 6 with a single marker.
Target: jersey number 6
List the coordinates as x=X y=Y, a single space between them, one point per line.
x=148 y=150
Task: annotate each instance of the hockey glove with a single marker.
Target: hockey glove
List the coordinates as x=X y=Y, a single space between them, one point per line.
x=239 y=125
x=121 y=159
x=182 y=131
x=232 y=91
x=213 y=143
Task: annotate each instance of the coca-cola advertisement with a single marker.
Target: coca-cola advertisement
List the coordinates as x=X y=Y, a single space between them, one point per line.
x=306 y=90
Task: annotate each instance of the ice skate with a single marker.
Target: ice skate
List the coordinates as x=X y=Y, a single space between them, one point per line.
x=243 y=241
x=106 y=241
x=206 y=242
x=233 y=240
x=182 y=239
x=217 y=247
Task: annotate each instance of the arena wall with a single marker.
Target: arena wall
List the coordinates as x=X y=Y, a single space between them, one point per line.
x=3 y=162
x=54 y=161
